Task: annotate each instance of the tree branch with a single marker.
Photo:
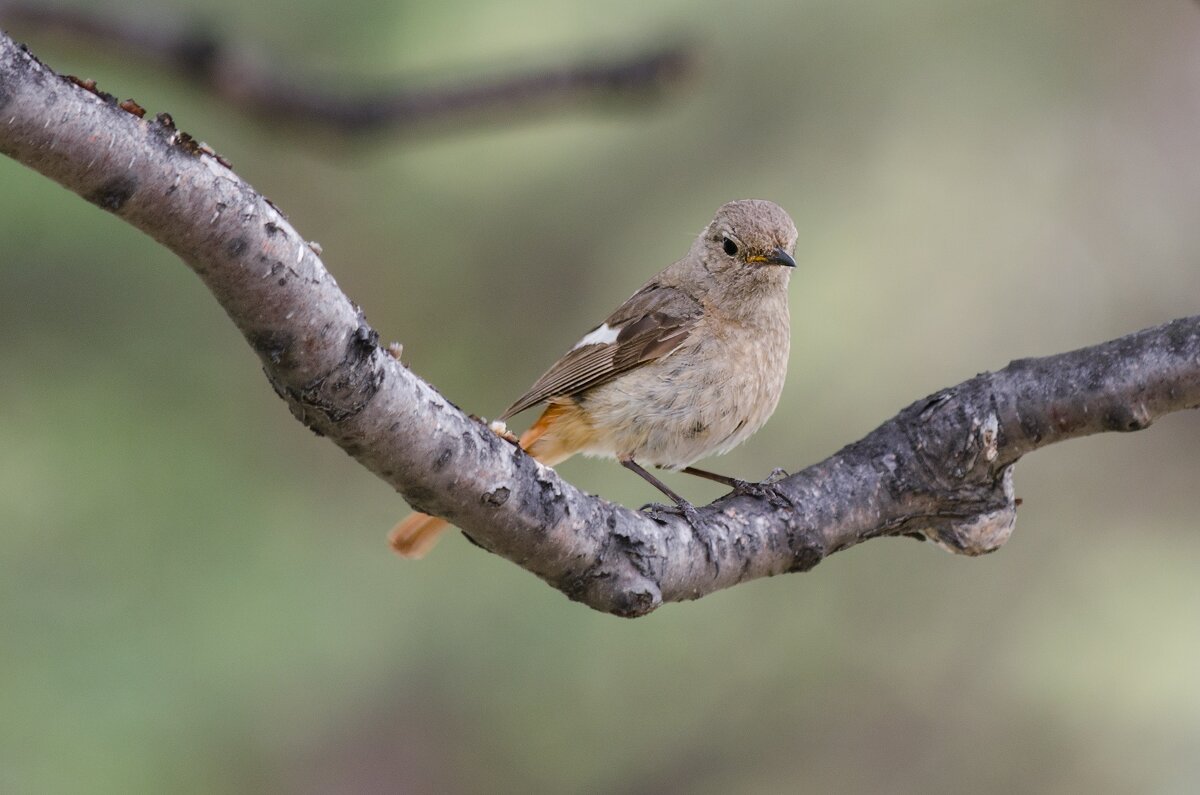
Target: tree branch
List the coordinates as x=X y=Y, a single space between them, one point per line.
x=278 y=96
x=940 y=469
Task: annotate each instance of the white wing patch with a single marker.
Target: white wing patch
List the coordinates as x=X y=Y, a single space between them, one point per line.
x=603 y=335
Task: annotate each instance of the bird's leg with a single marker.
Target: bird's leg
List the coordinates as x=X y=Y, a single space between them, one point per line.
x=765 y=488
x=688 y=510
x=690 y=514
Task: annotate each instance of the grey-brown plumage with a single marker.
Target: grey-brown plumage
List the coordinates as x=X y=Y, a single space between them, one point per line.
x=694 y=361
x=650 y=325
x=690 y=365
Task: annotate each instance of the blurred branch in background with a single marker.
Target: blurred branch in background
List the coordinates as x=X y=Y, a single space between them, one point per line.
x=941 y=469
x=279 y=96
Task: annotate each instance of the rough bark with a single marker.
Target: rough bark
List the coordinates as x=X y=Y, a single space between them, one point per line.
x=940 y=469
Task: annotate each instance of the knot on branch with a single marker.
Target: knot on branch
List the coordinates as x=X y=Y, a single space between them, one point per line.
x=624 y=577
x=968 y=503
x=986 y=522
x=334 y=396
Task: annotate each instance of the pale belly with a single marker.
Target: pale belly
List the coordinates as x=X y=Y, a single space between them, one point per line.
x=670 y=414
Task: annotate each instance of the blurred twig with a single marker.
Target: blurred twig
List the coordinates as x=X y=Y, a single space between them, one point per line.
x=280 y=96
x=941 y=469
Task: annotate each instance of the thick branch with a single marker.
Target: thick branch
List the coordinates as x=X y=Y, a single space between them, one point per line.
x=941 y=468
x=281 y=96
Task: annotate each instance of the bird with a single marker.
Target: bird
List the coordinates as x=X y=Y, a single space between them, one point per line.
x=689 y=366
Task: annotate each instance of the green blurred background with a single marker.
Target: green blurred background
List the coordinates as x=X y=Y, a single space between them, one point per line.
x=195 y=592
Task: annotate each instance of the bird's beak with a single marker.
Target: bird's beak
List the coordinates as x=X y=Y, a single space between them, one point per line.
x=781 y=257
x=776 y=257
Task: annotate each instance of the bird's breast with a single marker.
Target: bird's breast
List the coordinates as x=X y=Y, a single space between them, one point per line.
x=705 y=398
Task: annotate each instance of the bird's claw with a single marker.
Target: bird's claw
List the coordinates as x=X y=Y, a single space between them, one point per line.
x=656 y=510
x=692 y=516
x=767 y=489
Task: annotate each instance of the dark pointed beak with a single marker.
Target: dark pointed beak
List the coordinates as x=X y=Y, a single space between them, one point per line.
x=781 y=257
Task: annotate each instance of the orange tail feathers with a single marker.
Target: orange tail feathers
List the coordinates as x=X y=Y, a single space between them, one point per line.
x=415 y=535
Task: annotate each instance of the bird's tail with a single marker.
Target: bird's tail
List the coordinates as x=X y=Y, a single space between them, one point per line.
x=415 y=535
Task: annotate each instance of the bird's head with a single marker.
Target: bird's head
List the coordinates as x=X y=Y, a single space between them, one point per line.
x=748 y=247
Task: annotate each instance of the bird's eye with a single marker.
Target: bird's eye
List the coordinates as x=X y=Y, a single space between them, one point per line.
x=730 y=247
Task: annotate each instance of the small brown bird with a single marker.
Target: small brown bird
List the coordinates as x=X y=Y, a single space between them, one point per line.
x=690 y=366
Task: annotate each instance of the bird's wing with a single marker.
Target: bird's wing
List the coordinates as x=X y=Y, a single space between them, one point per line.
x=651 y=324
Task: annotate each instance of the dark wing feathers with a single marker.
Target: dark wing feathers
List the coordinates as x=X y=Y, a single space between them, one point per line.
x=570 y=374
x=651 y=324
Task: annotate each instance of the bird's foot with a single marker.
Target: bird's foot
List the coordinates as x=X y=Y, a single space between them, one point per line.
x=767 y=488
x=656 y=511
x=777 y=474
